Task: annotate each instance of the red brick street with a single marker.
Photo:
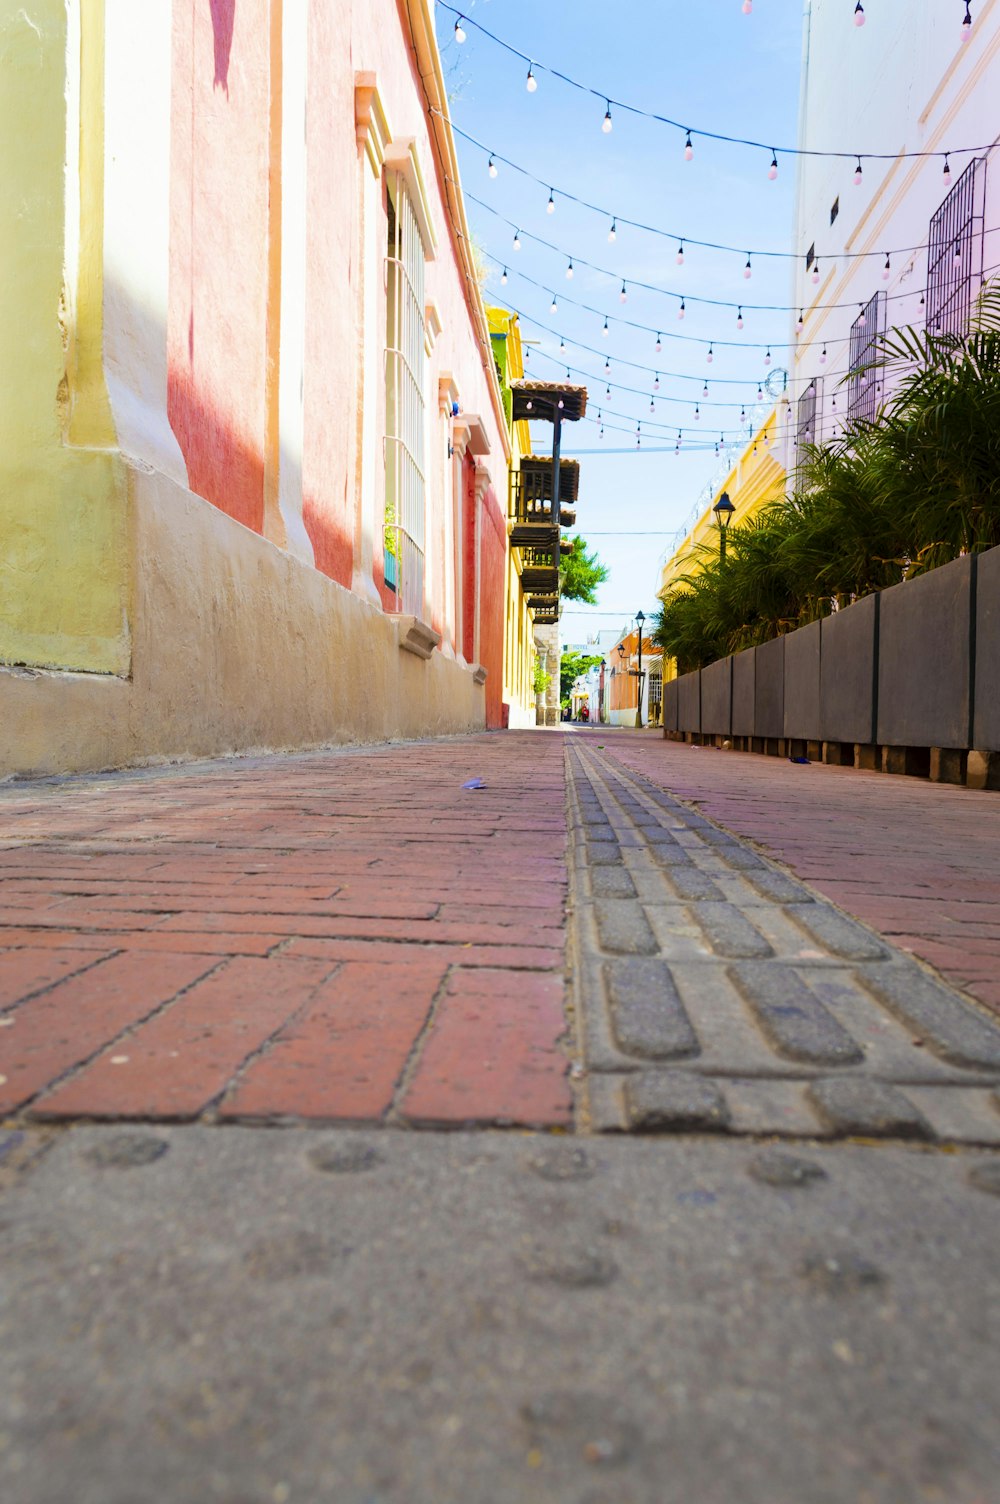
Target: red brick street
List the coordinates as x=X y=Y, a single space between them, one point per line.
x=355 y=937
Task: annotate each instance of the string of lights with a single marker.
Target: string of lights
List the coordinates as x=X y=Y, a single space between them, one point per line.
x=682 y=299
x=660 y=334
x=690 y=133
x=616 y=221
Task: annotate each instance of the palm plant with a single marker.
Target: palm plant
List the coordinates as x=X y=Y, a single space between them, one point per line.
x=887 y=500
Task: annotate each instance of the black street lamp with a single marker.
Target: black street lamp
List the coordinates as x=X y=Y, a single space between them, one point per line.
x=723 y=510
x=639 y=621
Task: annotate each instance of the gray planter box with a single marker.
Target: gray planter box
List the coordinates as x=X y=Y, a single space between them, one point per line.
x=848 y=673
x=744 y=692
x=986 y=726
x=717 y=698
x=670 y=704
x=769 y=696
x=802 y=678
x=924 y=688
x=689 y=702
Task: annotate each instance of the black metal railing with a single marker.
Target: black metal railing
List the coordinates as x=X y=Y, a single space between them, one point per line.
x=807 y=414
x=955 y=253
x=864 y=387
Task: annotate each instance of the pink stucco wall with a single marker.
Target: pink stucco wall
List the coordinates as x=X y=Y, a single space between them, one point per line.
x=222 y=272
x=219 y=249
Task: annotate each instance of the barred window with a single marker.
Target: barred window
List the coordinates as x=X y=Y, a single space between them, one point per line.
x=808 y=414
x=864 y=388
x=404 y=403
x=955 y=253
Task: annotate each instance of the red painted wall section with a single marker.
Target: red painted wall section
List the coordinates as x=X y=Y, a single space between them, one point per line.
x=469 y=559
x=217 y=318
x=492 y=575
x=333 y=291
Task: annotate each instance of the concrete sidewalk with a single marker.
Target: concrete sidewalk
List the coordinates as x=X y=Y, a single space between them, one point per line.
x=740 y=1243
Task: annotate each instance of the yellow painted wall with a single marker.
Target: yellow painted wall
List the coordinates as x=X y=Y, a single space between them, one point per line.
x=63 y=498
x=519 y=641
x=756 y=479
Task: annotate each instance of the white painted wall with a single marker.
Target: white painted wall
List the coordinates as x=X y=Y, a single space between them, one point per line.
x=138 y=50
x=905 y=81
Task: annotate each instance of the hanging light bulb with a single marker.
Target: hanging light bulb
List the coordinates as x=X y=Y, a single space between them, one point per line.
x=601 y=432
x=503 y=279
x=815 y=270
x=607 y=368
x=459 y=31
x=561 y=403
x=739 y=318
x=760 y=393
x=767 y=357
x=531 y=82
x=858 y=173
x=755 y=449
x=743 y=417
x=656 y=382
x=555 y=306
x=569 y=270
x=605 y=331
x=697 y=412
x=822 y=358
x=801 y=323
x=491 y=167
x=887 y=268
x=517 y=240
x=606 y=123
x=677 y=449
x=613 y=232
x=659 y=343
x=680 y=436
x=859 y=14
x=967 y=22
x=652 y=405
x=623 y=295
x=688 y=148
x=607 y=390
x=529 y=404
x=767 y=441
x=680 y=254
x=710 y=356
x=704 y=391
x=946 y=174
x=681 y=310
x=812 y=389
x=562 y=348
x=748 y=7
x=550 y=207
x=772 y=171
x=748 y=270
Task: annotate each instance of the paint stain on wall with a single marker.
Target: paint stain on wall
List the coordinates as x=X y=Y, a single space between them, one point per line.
x=223 y=21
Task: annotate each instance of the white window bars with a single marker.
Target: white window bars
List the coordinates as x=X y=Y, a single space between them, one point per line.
x=405 y=415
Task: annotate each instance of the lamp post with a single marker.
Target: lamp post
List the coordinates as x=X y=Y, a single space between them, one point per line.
x=723 y=510
x=639 y=622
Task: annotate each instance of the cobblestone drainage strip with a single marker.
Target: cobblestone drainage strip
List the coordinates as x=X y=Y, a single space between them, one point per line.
x=714 y=992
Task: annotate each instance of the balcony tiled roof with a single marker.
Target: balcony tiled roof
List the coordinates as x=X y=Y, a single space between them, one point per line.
x=539 y=400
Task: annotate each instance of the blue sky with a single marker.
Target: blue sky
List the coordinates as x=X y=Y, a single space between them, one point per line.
x=703 y=63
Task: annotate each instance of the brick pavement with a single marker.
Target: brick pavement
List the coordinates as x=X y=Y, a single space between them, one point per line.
x=336 y=937
x=354 y=937
x=920 y=862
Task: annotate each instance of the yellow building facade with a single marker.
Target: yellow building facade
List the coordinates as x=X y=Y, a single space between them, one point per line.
x=519 y=643
x=757 y=479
